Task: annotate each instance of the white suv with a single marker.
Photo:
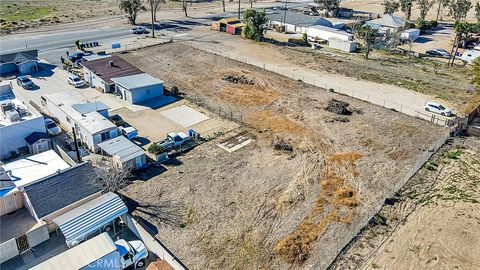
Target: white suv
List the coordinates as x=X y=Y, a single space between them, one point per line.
x=75 y=80
x=437 y=108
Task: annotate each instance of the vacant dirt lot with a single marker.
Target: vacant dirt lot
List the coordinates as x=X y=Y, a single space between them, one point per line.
x=294 y=195
x=434 y=221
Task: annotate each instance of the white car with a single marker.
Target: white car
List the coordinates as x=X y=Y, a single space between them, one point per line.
x=139 y=30
x=437 y=108
x=75 y=81
x=52 y=128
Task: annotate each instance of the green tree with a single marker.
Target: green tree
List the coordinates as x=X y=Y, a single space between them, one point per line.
x=463 y=31
x=476 y=73
x=367 y=34
x=477 y=11
x=328 y=5
x=390 y=6
x=424 y=6
x=131 y=8
x=255 y=24
x=406 y=8
x=459 y=9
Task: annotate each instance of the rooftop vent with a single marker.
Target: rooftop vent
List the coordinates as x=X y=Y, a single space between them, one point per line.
x=110 y=63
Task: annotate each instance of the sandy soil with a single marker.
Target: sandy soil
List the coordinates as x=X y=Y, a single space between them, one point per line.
x=262 y=208
x=433 y=225
x=376 y=7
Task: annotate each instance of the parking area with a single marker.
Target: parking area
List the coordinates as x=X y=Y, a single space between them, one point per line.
x=153 y=119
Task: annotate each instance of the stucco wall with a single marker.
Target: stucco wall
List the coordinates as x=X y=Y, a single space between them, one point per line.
x=145 y=93
x=7 y=68
x=16 y=133
x=8 y=250
x=28 y=67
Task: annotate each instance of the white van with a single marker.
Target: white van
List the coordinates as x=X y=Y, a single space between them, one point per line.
x=470 y=55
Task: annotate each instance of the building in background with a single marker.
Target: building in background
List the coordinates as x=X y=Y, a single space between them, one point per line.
x=137 y=88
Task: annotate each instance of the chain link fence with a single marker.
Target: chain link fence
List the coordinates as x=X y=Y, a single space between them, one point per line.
x=437 y=119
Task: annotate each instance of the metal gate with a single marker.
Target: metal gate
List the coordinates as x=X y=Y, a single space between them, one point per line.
x=22 y=243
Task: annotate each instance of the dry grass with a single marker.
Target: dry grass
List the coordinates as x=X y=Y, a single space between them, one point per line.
x=268 y=120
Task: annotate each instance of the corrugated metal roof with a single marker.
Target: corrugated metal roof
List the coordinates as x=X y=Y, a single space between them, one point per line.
x=89 y=217
x=387 y=20
x=137 y=81
x=90 y=107
x=81 y=255
x=122 y=148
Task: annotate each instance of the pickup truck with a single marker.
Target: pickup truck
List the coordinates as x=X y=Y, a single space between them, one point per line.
x=100 y=252
x=174 y=140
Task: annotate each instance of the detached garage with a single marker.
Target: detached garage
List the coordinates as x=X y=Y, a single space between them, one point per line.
x=138 y=88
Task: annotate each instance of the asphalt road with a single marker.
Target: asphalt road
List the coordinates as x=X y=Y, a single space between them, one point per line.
x=52 y=45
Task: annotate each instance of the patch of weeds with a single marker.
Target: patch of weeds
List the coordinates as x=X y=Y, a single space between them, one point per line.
x=454 y=154
x=415 y=249
x=375 y=266
x=431 y=166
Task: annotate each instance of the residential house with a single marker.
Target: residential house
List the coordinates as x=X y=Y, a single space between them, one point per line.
x=24 y=62
x=99 y=73
x=44 y=199
x=124 y=153
x=17 y=121
x=137 y=88
x=387 y=23
x=296 y=22
x=89 y=120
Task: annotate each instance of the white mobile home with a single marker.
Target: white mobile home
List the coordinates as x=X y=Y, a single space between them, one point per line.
x=88 y=119
x=325 y=33
x=296 y=22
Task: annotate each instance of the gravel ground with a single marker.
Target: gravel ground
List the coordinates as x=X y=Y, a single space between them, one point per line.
x=264 y=206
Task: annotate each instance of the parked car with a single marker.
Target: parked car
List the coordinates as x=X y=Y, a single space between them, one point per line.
x=52 y=128
x=438 y=53
x=437 y=108
x=76 y=56
x=117 y=120
x=129 y=132
x=139 y=30
x=75 y=80
x=25 y=82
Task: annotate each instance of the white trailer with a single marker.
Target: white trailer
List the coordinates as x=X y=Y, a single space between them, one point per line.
x=325 y=33
x=410 y=34
x=99 y=252
x=343 y=45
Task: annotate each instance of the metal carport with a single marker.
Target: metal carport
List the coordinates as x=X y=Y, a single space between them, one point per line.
x=77 y=224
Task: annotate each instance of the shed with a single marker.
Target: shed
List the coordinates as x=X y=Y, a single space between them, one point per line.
x=99 y=72
x=235 y=29
x=138 y=88
x=24 y=62
x=124 y=153
x=222 y=23
x=38 y=142
x=78 y=223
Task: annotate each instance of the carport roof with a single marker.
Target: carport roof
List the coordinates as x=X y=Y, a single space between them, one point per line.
x=120 y=68
x=137 y=81
x=89 y=217
x=122 y=148
x=19 y=57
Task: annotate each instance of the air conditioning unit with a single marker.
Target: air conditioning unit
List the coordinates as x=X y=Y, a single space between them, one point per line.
x=12 y=116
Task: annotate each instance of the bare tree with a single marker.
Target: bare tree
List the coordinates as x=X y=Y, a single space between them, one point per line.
x=131 y=8
x=184 y=7
x=163 y=211
x=390 y=6
x=459 y=9
x=424 y=6
x=329 y=5
x=406 y=8
x=109 y=177
x=441 y=4
x=155 y=6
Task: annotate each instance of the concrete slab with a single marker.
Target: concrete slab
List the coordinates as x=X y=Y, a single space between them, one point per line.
x=235 y=142
x=184 y=116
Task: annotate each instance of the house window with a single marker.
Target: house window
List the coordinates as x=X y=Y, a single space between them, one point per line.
x=105 y=136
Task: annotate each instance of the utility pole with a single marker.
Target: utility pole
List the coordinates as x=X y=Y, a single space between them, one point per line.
x=76 y=145
x=153 y=24
x=239 y=9
x=285 y=15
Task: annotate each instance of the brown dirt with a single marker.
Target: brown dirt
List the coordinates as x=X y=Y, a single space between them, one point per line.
x=247 y=202
x=434 y=221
